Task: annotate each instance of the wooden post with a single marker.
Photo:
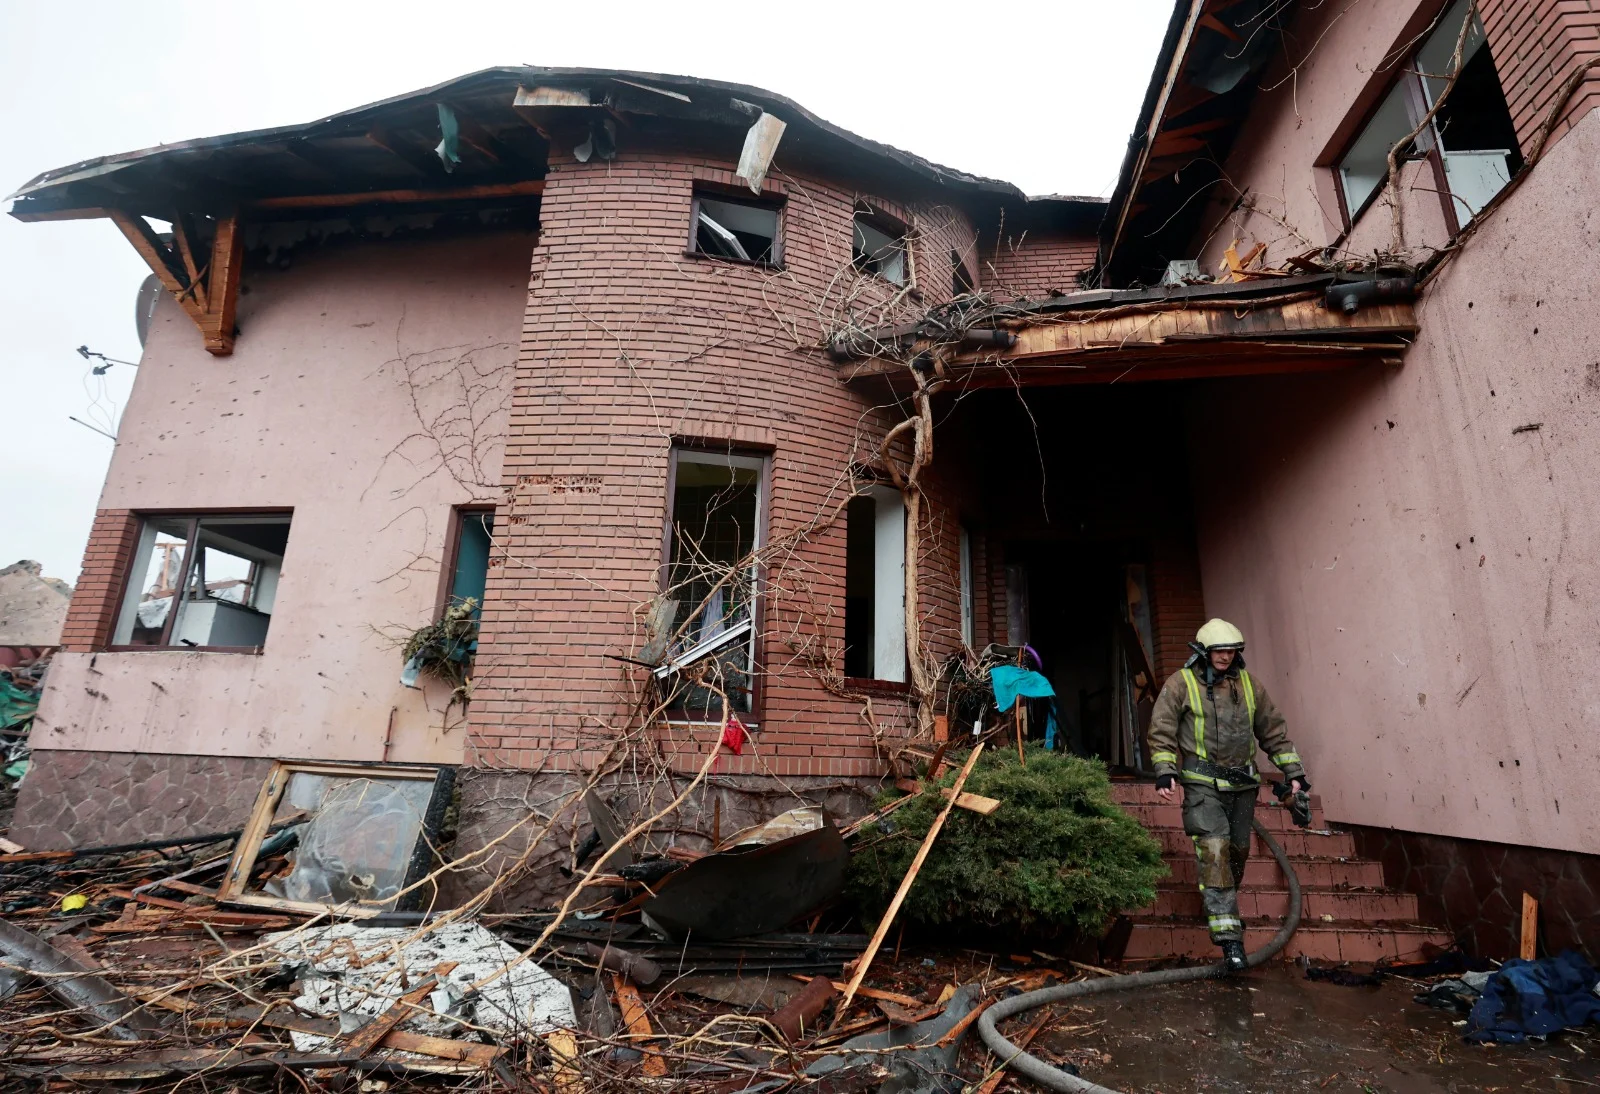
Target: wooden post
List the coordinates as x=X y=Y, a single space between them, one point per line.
x=1530 y=927
x=1022 y=728
x=865 y=960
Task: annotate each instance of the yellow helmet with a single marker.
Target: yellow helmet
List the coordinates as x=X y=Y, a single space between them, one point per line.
x=1219 y=634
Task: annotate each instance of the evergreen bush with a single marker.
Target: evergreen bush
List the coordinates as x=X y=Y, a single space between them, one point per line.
x=1058 y=857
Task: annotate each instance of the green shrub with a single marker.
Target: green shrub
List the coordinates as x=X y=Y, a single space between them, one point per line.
x=1057 y=857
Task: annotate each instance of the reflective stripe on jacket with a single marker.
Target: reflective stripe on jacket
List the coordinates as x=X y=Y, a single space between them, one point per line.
x=1222 y=724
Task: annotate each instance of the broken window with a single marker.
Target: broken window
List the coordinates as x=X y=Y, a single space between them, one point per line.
x=879 y=246
x=746 y=231
x=1471 y=138
x=203 y=582
x=469 y=569
x=714 y=529
x=340 y=834
x=875 y=586
x=961 y=282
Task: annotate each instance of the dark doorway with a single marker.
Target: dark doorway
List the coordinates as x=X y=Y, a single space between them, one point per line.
x=1084 y=619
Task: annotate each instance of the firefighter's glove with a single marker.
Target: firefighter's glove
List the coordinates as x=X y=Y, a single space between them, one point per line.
x=1166 y=782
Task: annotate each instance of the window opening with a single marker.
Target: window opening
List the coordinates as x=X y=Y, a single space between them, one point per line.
x=875 y=607
x=474 y=538
x=961 y=282
x=879 y=248
x=1472 y=132
x=711 y=582
x=740 y=230
x=203 y=581
x=968 y=612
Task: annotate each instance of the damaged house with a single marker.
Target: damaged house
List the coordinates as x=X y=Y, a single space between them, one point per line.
x=739 y=435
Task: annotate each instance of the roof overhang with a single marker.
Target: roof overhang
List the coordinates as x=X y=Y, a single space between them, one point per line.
x=1200 y=92
x=1184 y=332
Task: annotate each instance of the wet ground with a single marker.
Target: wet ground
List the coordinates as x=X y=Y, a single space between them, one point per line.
x=1274 y=1031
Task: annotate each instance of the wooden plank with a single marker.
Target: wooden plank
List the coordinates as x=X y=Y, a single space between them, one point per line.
x=11 y=848
x=954 y=1033
x=563 y=1048
x=973 y=803
x=365 y=1039
x=992 y=1083
x=1530 y=928
x=162 y=262
x=441 y=1048
x=255 y=829
x=864 y=962
x=525 y=188
x=869 y=993
x=227 y=265
x=637 y=1018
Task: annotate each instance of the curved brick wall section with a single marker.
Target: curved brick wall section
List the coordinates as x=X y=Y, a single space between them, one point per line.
x=76 y=799
x=628 y=344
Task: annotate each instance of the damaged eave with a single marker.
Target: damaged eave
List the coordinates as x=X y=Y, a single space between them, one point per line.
x=1165 y=339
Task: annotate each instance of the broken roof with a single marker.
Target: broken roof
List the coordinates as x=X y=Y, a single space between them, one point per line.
x=390 y=144
x=1204 y=80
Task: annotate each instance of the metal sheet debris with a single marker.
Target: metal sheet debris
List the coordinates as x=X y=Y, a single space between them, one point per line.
x=351 y=970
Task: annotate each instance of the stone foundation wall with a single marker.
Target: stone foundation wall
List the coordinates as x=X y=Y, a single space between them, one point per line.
x=493 y=801
x=82 y=799
x=1475 y=888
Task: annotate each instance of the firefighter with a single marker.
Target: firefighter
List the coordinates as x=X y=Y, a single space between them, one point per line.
x=1207 y=722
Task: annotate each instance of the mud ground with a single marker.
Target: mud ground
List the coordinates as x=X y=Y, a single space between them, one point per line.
x=1274 y=1031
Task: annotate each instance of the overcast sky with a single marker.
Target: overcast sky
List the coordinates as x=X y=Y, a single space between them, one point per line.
x=1040 y=94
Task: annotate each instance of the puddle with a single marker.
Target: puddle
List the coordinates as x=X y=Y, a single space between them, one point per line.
x=1274 y=1031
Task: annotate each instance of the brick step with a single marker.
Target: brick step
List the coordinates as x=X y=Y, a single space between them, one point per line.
x=1126 y=792
x=1274 y=818
x=1262 y=872
x=1317 y=942
x=1296 y=844
x=1349 y=905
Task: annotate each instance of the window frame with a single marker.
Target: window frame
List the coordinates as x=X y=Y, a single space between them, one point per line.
x=452 y=552
x=677 y=713
x=125 y=584
x=879 y=490
x=1427 y=141
x=776 y=202
x=892 y=226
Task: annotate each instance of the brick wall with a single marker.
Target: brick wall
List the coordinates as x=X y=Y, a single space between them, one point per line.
x=628 y=344
x=1537 y=46
x=1035 y=265
x=93 y=611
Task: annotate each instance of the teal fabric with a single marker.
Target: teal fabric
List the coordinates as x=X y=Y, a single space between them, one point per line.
x=1009 y=681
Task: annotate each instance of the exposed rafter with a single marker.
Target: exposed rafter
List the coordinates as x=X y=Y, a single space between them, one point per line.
x=207 y=292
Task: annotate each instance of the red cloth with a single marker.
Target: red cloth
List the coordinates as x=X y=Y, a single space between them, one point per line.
x=734 y=736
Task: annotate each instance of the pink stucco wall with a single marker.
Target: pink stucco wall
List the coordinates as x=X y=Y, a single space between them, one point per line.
x=334 y=402
x=1414 y=554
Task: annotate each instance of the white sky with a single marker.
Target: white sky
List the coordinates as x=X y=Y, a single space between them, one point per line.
x=1040 y=94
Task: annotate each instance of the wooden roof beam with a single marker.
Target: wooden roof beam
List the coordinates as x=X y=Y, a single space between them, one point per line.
x=423 y=162
x=525 y=188
x=208 y=294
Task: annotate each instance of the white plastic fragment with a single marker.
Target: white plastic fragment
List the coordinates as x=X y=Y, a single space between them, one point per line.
x=348 y=969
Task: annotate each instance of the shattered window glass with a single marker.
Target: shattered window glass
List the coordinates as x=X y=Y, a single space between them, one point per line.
x=712 y=579
x=746 y=231
x=879 y=250
x=356 y=839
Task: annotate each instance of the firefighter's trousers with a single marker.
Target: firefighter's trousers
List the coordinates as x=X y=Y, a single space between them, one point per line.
x=1218 y=821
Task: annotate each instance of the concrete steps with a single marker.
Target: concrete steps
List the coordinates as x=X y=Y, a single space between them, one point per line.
x=1347 y=913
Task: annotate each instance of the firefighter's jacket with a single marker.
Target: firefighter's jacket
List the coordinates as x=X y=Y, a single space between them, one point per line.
x=1221 y=725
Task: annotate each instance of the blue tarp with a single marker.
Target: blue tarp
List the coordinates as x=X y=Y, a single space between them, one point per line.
x=1535 y=999
x=1009 y=681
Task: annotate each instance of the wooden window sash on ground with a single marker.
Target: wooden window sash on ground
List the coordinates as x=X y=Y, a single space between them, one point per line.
x=235 y=881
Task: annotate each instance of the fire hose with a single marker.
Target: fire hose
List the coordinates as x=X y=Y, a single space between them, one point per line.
x=1052 y=1078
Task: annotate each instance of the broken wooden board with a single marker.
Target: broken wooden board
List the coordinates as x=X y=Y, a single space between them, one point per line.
x=637 y=1018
